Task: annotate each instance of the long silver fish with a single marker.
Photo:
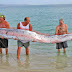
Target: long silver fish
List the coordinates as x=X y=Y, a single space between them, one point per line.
x=33 y=36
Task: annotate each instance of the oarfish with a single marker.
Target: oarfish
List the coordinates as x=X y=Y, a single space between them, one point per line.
x=26 y=35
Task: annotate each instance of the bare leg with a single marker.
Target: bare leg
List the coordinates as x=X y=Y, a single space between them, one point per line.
x=6 y=51
x=58 y=50
x=27 y=50
x=64 y=50
x=1 y=50
x=18 y=52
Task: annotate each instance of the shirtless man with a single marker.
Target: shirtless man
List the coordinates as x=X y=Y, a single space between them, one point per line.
x=25 y=26
x=60 y=30
x=3 y=41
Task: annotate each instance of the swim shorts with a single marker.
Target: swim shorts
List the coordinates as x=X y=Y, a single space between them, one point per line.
x=3 y=43
x=61 y=45
x=20 y=44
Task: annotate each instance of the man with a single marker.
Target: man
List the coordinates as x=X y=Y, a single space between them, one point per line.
x=60 y=30
x=25 y=26
x=3 y=41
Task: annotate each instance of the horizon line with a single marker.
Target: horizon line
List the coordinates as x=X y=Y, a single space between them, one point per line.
x=35 y=4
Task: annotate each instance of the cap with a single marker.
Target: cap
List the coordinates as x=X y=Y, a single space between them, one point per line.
x=1 y=16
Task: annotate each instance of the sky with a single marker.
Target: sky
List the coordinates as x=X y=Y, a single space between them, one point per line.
x=35 y=2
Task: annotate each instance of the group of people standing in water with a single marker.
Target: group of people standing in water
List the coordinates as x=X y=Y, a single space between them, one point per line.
x=60 y=30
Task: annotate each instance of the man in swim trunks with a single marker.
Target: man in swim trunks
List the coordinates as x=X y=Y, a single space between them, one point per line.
x=3 y=41
x=60 y=30
x=25 y=26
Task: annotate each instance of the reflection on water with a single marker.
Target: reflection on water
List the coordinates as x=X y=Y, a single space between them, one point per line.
x=61 y=61
x=4 y=60
x=35 y=63
x=25 y=64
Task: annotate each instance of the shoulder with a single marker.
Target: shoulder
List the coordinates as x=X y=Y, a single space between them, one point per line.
x=18 y=23
x=57 y=27
x=65 y=25
x=6 y=22
x=18 y=26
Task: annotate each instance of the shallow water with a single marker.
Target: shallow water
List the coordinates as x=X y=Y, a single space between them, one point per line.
x=39 y=60
x=36 y=63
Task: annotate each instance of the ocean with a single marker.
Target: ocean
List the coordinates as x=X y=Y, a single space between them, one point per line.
x=42 y=57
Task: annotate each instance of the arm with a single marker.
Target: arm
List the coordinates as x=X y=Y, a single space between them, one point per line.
x=67 y=29
x=18 y=26
x=30 y=27
x=7 y=25
x=56 y=32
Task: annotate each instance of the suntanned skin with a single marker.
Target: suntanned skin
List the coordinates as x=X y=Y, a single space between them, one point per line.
x=4 y=24
x=61 y=29
x=25 y=23
x=30 y=29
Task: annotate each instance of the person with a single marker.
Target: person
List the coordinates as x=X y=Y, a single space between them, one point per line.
x=3 y=41
x=60 y=30
x=25 y=26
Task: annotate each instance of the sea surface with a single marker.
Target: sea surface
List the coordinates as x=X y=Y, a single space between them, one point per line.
x=42 y=57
